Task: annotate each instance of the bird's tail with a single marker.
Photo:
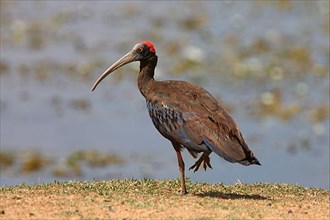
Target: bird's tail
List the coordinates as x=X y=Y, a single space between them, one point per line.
x=255 y=161
x=249 y=161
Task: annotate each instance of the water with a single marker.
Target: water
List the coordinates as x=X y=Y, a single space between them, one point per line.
x=52 y=52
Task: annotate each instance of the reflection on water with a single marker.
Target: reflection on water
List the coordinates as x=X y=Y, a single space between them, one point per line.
x=268 y=62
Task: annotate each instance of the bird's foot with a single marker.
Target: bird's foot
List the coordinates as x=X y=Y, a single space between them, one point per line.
x=206 y=162
x=183 y=192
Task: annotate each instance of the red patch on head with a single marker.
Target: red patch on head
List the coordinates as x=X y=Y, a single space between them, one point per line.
x=150 y=45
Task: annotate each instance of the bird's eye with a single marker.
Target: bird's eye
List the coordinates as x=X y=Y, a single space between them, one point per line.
x=139 y=50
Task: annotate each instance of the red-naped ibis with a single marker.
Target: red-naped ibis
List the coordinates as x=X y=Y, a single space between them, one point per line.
x=186 y=114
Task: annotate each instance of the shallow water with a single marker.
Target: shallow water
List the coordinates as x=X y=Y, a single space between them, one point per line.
x=52 y=52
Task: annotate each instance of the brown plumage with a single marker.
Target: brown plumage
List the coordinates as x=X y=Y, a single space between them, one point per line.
x=186 y=114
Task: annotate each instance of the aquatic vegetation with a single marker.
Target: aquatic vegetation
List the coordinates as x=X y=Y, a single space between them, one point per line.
x=7 y=159
x=32 y=161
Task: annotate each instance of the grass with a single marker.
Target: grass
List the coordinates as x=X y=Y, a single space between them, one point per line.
x=135 y=199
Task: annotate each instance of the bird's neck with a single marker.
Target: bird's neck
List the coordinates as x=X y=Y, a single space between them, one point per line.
x=146 y=75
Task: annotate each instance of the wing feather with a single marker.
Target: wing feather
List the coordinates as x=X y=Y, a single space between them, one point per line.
x=198 y=121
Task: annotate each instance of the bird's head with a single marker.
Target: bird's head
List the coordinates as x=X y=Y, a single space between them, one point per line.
x=141 y=51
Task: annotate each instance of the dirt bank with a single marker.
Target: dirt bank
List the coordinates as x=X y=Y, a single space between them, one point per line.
x=155 y=199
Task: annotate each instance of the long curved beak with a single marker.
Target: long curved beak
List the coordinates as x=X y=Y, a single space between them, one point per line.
x=128 y=58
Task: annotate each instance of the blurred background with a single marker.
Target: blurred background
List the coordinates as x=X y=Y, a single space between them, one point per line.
x=267 y=61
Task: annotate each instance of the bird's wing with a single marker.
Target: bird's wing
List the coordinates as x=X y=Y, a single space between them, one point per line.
x=205 y=123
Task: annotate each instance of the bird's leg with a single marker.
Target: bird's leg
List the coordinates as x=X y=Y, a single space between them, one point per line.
x=181 y=168
x=205 y=159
